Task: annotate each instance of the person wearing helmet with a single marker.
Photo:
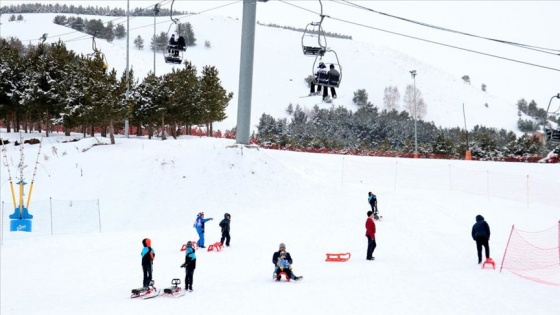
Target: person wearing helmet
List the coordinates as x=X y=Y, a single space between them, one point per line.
x=148 y=255
x=282 y=261
x=224 y=224
x=190 y=266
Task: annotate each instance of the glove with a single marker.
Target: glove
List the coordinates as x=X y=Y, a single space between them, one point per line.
x=183 y=265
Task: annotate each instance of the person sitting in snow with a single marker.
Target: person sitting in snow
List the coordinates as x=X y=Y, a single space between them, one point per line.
x=282 y=261
x=199 y=225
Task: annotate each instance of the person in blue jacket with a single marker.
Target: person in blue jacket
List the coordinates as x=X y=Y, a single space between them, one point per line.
x=481 y=234
x=190 y=266
x=199 y=225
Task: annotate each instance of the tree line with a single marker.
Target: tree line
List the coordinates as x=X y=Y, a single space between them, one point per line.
x=47 y=85
x=79 y=9
x=372 y=129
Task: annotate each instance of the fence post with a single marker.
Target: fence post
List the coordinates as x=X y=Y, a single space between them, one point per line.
x=2 y=224
x=342 y=173
x=527 y=185
x=50 y=208
x=488 y=185
x=99 y=215
x=450 y=181
x=507 y=245
x=396 y=169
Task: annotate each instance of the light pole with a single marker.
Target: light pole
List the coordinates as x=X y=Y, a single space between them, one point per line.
x=156 y=11
x=544 y=122
x=413 y=73
x=127 y=63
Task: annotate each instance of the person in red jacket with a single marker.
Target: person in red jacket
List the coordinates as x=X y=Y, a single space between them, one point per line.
x=370 y=234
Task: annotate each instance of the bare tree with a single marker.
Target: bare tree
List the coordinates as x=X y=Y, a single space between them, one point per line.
x=391 y=97
x=409 y=104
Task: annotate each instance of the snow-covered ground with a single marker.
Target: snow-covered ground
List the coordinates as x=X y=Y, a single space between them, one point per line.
x=280 y=68
x=425 y=260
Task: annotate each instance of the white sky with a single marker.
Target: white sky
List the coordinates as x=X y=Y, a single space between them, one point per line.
x=316 y=204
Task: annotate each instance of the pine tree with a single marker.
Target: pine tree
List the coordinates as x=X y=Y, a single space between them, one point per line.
x=139 y=43
x=120 y=31
x=213 y=97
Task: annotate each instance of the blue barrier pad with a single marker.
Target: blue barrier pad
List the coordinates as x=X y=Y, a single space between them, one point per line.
x=23 y=225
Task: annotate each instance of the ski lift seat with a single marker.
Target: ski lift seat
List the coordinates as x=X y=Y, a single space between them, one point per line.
x=172 y=59
x=313 y=51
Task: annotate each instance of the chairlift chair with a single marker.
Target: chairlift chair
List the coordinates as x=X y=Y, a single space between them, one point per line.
x=329 y=57
x=313 y=40
x=174 y=52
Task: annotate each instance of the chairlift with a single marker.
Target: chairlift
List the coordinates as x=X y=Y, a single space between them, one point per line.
x=175 y=47
x=328 y=58
x=98 y=54
x=313 y=40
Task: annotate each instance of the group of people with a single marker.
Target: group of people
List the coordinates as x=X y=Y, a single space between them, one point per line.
x=324 y=79
x=480 y=231
x=148 y=254
x=175 y=45
x=282 y=259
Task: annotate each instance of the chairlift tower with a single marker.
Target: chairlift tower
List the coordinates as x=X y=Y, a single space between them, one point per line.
x=246 y=71
x=413 y=73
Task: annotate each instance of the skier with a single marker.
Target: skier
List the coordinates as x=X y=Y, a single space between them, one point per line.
x=181 y=43
x=282 y=261
x=148 y=255
x=224 y=224
x=481 y=234
x=199 y=225
x=190 y=266
x=321 y=69
x=370 y=234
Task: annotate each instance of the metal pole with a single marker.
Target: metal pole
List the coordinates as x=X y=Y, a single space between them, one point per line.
x=127 y=63
x=246 y=71
x=413 y=73
x=156 y=11
x=544 y=122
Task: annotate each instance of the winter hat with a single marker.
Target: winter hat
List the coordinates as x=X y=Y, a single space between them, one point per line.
x=332 y=66
x=189 y=244
x=282 y=245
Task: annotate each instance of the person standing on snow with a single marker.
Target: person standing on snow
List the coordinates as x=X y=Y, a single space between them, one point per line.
x=190 y=266
x=372 y=200
x=481 y=234
x=224 y=224
x=148 y=256
x=370 y=234
x=199 y=225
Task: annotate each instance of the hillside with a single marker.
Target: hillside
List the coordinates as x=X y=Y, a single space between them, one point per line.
x=280 y=69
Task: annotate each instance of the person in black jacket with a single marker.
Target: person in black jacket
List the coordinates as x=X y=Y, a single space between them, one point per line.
x=285 y=256
x=334 y=80
x=481 y=234
x=148 y=256
x=224 y=224
x=190 y=266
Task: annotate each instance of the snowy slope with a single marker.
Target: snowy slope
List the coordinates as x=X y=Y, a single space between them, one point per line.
x=425 y=259
x=280 y=69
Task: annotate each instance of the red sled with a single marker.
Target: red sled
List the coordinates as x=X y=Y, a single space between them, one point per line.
x=217 y=246
x=338 y=257
x=194 y=245
x=489 y=262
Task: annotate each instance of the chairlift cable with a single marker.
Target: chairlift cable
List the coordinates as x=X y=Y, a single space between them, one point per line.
x=434 y=42
x=526 y=46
